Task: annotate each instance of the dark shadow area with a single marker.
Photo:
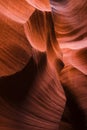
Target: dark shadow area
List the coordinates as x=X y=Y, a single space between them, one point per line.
x=15 y=87
x=76 y=114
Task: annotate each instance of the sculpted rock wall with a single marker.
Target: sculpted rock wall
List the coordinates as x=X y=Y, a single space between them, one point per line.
x=43 y=66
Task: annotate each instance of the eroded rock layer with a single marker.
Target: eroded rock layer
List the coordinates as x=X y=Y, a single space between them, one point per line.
x=43 y=65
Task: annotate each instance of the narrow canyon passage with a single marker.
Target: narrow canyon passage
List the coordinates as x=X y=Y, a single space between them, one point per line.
x=43 y=65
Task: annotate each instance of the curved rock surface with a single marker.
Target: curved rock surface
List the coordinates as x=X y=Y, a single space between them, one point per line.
x=43 y=65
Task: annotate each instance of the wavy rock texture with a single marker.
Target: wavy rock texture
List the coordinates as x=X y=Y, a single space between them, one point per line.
x=43 y=66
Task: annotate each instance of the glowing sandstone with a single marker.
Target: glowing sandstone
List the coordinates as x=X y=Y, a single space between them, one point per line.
x=43 y=66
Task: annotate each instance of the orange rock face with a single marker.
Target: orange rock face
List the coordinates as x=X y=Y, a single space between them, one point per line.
x=43 y=65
